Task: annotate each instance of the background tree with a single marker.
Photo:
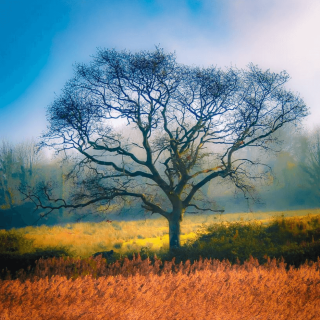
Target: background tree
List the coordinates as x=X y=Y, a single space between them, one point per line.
x=296 y=169
x=310 y=163
x=189 y=125
x=16 y=168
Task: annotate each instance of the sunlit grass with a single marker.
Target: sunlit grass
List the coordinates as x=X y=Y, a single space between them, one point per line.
x=84 y=239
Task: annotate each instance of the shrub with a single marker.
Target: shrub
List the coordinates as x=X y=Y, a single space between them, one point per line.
x=118 y=245
x=17 y=252
x=293 y=239
x=13 y=241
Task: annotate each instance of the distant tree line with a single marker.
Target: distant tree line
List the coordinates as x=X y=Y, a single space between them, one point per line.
x=22 y=165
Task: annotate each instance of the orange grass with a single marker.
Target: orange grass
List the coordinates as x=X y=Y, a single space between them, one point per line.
x=207 y=289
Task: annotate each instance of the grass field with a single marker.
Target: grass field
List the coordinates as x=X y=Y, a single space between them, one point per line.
x=234 y=278
x=212 y=291
x=84 y=239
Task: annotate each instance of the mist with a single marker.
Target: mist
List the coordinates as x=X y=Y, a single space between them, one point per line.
x=290 y=183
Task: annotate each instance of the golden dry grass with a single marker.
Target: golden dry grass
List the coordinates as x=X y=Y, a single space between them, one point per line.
x=213 y=290
x=74 y=288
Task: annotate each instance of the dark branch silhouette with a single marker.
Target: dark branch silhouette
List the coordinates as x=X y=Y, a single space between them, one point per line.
x=188 y=126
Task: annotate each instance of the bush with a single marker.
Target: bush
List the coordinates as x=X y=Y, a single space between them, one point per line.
x=17 y=252
x=118 y=245
x=293 y=239
x=13 y=262
x=13 y=241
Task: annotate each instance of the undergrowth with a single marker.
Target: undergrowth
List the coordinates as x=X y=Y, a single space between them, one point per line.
x=17 y=252
x=293 y=239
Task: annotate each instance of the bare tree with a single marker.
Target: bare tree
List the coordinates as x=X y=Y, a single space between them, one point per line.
x=16 y=168
x=311 y=161
x=7 y=164
x=189 y=126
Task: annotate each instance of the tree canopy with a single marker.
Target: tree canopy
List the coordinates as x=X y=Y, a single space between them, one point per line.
x=188 y=125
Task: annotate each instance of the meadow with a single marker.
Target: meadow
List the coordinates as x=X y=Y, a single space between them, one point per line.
x=84 y=239
x=264 y=265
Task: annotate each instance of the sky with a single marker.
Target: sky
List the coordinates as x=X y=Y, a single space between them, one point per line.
x=42 y=40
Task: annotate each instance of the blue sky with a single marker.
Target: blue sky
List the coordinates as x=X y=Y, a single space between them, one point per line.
x=41 y=40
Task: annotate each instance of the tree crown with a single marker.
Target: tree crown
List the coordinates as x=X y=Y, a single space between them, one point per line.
x=189 y=126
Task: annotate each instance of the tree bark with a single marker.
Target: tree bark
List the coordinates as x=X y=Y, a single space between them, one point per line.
x=174 y=232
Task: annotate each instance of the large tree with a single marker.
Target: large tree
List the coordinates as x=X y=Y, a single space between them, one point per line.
x=188 y=126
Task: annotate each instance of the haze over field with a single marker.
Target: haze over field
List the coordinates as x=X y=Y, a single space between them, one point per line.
x=41 y=40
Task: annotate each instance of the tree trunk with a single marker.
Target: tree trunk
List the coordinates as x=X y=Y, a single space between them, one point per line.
x=174 y=232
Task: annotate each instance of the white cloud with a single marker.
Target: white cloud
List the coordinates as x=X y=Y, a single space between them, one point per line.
x=282 y=35
x=276 y=35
